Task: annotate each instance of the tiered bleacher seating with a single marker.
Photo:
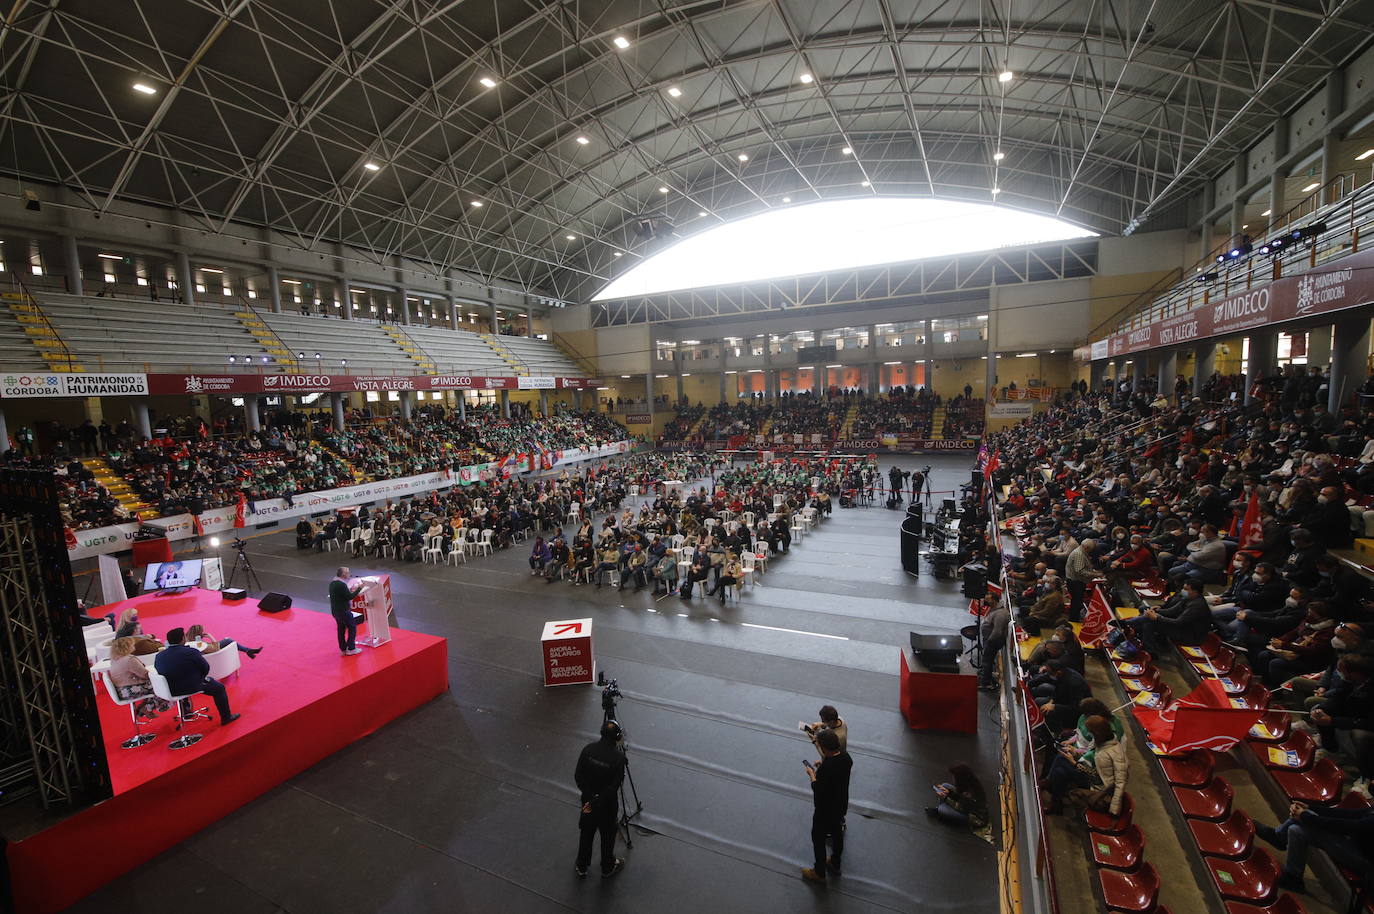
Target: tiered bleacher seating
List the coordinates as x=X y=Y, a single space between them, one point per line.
x=17 y=351
x=366 y=348
x=116 y=335
x=540 y=357
x=457 y=351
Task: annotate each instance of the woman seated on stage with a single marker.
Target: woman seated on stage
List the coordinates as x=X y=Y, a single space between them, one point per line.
x=131 y=680
x=128 y=624
x=198 y=633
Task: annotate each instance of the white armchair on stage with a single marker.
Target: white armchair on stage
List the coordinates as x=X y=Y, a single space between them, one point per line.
x=224 y=662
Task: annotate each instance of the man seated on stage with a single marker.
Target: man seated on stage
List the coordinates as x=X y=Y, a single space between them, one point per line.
x=187 y=672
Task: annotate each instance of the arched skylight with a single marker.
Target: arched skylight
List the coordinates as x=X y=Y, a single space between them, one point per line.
x=835 y=235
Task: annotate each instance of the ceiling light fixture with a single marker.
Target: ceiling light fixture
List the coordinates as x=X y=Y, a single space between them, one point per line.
x=1266 y=212
x=866 y=183
x=1313 y=186
x=663 y=190
x=1005 y=76
x=621 y=42
x=476 y=204
x=807 y=78
x=702 y=213
x=145 y=89
x=488 y=82
x=846 y=151
x=998 y=156
x=582 y=141
x=571 y=237
x=615 y=254
x=743 y=157
x=110 y=256
x=786 y=199
x=674 y=91
x=1364 y=155
x=372 y=166
x=210 y=270
x=996 y=191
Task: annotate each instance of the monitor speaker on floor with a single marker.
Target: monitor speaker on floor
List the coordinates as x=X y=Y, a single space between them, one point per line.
x=274 y=602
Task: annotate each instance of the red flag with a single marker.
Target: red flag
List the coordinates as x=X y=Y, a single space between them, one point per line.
x=1250 y=526
x=1095 y=620
x=1034 y=716
x=993 y=463
x=70 y=537
x=241 y=512
x=197 y=525
x=1205 y=718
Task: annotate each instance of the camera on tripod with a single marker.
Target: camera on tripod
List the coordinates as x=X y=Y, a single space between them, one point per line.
x=609 y=695
x=239 y=543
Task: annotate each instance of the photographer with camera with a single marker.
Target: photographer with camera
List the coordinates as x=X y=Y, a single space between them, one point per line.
x=600 y=770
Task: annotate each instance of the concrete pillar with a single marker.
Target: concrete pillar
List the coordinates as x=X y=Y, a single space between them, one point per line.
x=1349 y=360
x=251 y=416
x=1264 y=355
x=1168 y=373
x=1204 y=363
x=1138 y=372
x=505 y=404
x=722 y=386
x=274 y=289
x=1277 y=182
x=544 y=403
x=677 y=373
x=1098 y=374
x=529 y=322
x=462 y=405
x=577 y=399
x=649 y=383
x=496 y=323
x=336 y=404
x=346 y=299
x=145 y=428
x=452 y=312
x=75 y=283
x=1319 y=346
x=990 y=376
x=406 y=406
x=874 y=379
x=1335 y=104
x=405 y=307
x=1205 y=240
x=185 y=279
x=4 y=434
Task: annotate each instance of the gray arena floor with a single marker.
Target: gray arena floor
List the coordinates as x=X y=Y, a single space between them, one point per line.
x=467 y=804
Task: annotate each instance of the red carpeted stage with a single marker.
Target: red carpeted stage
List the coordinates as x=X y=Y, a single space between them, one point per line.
x=300 y=700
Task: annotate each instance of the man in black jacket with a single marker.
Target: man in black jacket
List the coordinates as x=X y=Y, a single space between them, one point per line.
x=1184 y=619
x=830 y=795
x=1348 y=711
x=600 y=769
x=188 y=672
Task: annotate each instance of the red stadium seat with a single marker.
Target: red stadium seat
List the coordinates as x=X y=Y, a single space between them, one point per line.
x=1210 y=647
x=1220 y=665
x=1119 y=852
x=1253 y=879
x=1146 y=681
x=1135 y=892
x=1108 y=824
x=1256 y=696
x=1191 y=770
x=1286 y=904
x=1320 y=785
x=1297 y=753
x=1354 y=800
x=1237 y=681
x=1136 y=665
x=1232 y=838
x=1158 y=699
x=1210 y=802
x=1272 y=727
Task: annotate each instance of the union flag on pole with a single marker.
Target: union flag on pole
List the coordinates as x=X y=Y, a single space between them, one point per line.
x=1205 y=718
x=241 y=512
x=1034 y=716
x=991 y=467
x=1095 y=620
x=197 y=525
x=1250 y=525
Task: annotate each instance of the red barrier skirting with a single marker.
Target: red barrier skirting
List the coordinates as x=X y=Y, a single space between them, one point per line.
x=300 y=700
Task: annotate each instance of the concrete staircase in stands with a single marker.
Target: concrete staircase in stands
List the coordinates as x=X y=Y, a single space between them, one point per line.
x=51 y=348
x=516 y=366
x=410 y=348
x=115 y=484
x=937 y=424
x=269 y=341
x=850 y=414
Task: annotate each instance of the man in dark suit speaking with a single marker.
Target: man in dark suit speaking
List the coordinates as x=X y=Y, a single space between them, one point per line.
x=188 y=672
x=340 y=607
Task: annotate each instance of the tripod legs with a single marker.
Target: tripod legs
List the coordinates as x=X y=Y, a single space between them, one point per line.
x=241 y=563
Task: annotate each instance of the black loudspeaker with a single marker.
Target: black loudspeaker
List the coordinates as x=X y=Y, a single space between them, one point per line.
x=274 y=602
x=231 y=594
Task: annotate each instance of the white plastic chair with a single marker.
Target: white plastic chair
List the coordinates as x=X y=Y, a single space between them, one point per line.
x=574 y=513
x=749 y=519
x=484 y=544
x=435 y=553
x=164 y=691
x=762 y=557
x=459 y=551
x=746 y=561
x=677 y=540
x=799 y=527
x=139 y=738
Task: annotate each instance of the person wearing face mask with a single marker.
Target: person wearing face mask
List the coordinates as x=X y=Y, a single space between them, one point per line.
x=1329 y=520
x=1260 y=591
x=1134 y=561
x=1306 y=648
x=1303 y=694
x=1340 y=586
x=1301 y=565
x=1183 y=619
x=1345 y=716
x=1079 y=572
x=1205 y=561
x=1252 y=630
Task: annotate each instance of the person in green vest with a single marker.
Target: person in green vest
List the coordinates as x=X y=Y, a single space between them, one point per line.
x=341 y=595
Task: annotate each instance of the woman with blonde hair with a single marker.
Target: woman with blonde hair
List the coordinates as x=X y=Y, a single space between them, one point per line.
x=197 y=632
x=128 y=624
x=130 y=678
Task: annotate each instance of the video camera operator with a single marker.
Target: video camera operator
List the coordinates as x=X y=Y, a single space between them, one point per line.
x=600 y=770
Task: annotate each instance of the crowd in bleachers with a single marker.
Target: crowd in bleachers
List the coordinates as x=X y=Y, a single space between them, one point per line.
x=685 y=416
x=803 y=414
x=1223 y=532
x=902 y=411
x=964 y=415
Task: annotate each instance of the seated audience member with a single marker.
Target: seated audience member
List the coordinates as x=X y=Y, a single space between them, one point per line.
x=305 y=533
x=1110 y=767
x=1252 y=630
x=1133 y=562
x=963 y=801
x=665 y=573
x=1347 y=836
x=1304 y=694
x=129 y=675
x=540 y=555
x=1184 y=619
x=1303 y=649
x=1059 y=690
x=198 y=633
x=1345 y=715
x=730 y=576
x=1072 y=765
x=1050 y=609
x=188 y=673
x=1204 y=560
x=128 y=624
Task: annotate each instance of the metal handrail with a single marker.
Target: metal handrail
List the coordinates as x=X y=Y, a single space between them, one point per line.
x=1349 y=197
x=416 y=343
x=28 y=298
x=245 y=302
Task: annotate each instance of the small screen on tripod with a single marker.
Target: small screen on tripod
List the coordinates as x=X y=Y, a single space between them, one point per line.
x=167 y=575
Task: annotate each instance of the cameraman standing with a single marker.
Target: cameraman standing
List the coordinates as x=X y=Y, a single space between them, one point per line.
x=600 y=769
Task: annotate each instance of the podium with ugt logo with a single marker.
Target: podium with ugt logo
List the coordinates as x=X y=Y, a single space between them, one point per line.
x=567 y=647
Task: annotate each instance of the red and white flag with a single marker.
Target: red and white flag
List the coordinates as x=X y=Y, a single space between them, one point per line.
x=1205 y=718
x=1095 y=620
x=197 y=525
x=1250 y=525
x=993 y=463
x=241 y=512
x=1034 y=716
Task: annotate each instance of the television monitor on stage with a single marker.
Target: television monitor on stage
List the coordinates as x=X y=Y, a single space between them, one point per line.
x=172 y=575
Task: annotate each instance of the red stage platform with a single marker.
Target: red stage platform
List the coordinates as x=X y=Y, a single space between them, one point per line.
x=300 y=700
